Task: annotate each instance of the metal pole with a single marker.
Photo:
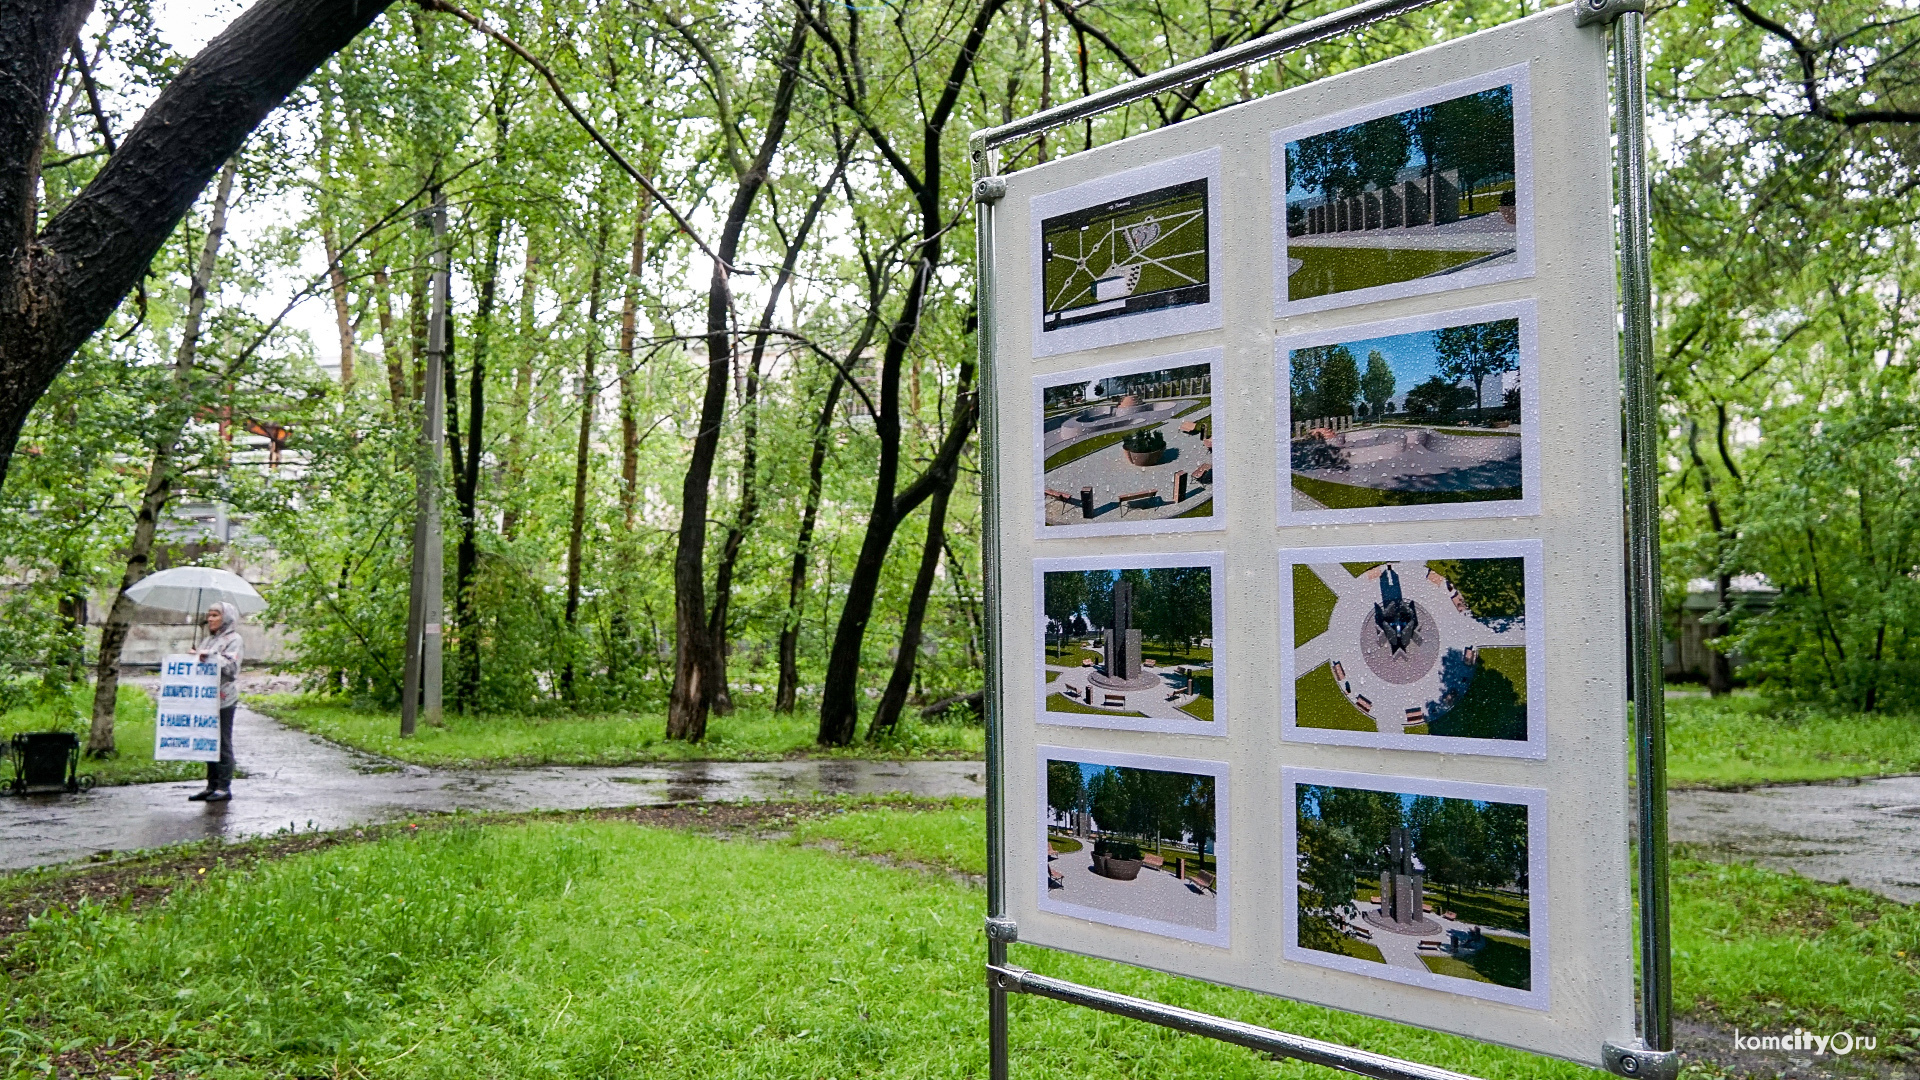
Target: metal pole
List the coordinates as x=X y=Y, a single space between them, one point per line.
x=421 y=675
x=434 y=443
x=1265 y=1040
x=1643 y=533
x=1201 y=68
x=987 y=190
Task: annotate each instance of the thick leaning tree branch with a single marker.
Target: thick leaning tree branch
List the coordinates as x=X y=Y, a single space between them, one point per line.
x=56 y=290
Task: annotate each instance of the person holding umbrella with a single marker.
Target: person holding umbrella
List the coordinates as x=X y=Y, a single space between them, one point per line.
x=223 y=647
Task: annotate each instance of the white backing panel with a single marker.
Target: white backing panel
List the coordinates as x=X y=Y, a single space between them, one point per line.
x=1580 y=710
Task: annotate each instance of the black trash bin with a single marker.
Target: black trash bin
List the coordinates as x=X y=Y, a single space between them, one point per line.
x=46 y=763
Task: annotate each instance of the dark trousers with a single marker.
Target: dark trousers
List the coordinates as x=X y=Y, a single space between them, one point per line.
x=220 y=773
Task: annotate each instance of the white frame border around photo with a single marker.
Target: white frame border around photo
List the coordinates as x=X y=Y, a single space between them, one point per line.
x=1535 y=744
x=1534 y=799
x=1146 y=325
x=1523 y=262
x=1527 y=505
x=1215 y=561
x=1219 y=935
x=1212 y=523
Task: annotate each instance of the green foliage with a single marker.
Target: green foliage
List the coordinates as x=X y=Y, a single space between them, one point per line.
x=1313 y=603
x=587 y=738
x=1492 y=588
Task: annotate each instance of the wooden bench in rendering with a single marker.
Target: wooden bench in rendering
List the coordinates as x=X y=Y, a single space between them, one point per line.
x=1149 y=495
x=1154 y=861
x=1339 y=672
x=1415 y=715
x=1058 y=879
x=1430 y=944
x=1113 y=701
x=1363 y=704
x=1062 y=496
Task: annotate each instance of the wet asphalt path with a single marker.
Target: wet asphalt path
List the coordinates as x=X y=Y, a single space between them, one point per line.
x=298 y=782
x=1863 y=833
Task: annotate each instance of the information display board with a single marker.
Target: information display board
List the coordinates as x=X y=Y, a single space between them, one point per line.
x=188 y=725
x=1311 y=607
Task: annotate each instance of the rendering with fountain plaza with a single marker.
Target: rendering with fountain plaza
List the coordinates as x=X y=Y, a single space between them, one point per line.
x=1400 y=648
x=1130 y=448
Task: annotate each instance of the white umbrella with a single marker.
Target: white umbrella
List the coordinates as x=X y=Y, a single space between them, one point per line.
x=190 y=589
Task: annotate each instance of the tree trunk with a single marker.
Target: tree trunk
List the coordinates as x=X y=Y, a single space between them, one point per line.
x=694 y=671
x=629 y=334
x=389 y=343
x=342 y=306
x=589 y=397
x=839 y=704
x=466 y=486
x=886 y=717
x=516 y=465
x=721 y=694
x=789 y=687
x=113 y=636
x=63 y=285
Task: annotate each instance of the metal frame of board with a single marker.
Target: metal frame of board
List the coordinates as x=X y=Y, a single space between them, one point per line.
x=1652 y=1056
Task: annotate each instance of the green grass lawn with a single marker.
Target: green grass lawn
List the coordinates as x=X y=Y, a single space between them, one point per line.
x=1326 y=270
x=1071 y=656
x=132 y=762
x=1171 y=655
x=1337 y=496
x=562 y=950
x=1319 y=703
x=1505 y=961
x=601 y=949
x=1313 y=604
x=1075 y=452
x=1205 y=509
x=1745 y=739
x=750 y=734
x=1203 y=403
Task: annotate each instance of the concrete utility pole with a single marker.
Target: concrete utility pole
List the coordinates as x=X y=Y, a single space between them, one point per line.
x=424 y=600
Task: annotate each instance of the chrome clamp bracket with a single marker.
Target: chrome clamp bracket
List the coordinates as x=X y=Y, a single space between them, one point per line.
x=1003 y=929
x=1604 y=12
x=989 y=189
x=1636 y=1061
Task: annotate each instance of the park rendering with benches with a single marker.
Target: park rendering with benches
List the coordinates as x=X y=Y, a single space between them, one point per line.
x=1130 y=448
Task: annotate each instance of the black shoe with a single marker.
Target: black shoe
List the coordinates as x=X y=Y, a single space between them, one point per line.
x=219 y=796
x=200 y=796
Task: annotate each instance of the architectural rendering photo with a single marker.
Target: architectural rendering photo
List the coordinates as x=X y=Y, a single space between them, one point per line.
x=1124 y=451
x=1434 y=647
x=1422 y=418
x=1133 y=645
x=1137 y=843
x=1144 y=252
x=1425 y=193
x=1435 y=887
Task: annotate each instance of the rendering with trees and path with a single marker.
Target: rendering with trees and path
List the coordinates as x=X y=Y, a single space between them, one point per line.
x=1133 y=842
x=1430 y=885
